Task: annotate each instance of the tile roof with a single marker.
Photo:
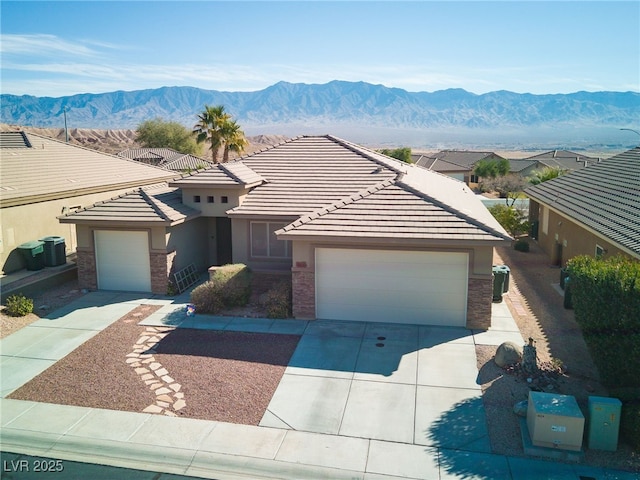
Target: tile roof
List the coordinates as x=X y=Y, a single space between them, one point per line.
x=166 y=158
x=307 y=173
x=152 y=205
x=440 y=165
x=464 y=159
x=563 y=159
x=604 y=197
x=36 y=168
x=391 y=210
x=518 y=164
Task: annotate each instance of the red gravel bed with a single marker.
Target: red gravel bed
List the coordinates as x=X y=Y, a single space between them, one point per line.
x=225 y=376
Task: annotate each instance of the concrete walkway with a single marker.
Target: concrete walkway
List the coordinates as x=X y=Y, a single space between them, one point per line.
x=361 y=401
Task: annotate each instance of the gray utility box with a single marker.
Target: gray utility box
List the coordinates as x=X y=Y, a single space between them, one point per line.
x=555 y=421
x=604 y=423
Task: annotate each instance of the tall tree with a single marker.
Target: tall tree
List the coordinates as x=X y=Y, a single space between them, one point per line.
x=158 y=133
x=234 y=139
x=492 y=168
x=210 y=127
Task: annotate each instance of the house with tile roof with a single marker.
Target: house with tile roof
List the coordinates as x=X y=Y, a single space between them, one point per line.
x=363 y=236
x=458 y=164
x=42 y=178
x=166 y=158
x=594 y=210
x=562 y=159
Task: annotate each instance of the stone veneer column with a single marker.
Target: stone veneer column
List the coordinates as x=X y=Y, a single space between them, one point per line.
x=479 y=300
x=303 y=286
x=87 y=272
x=160 y=267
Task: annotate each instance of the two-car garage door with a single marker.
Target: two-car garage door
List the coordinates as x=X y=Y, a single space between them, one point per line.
x=392 y=286
x=122 y=260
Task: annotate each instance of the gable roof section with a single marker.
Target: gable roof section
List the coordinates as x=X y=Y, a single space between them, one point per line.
x=391 y=210
x=564 y=159
x=308 y=173
x=464 y=159
x=166 y=158
x=222 y=175
x=39 y=168
x=604 y=197
x=149 y=206
x=519 y=164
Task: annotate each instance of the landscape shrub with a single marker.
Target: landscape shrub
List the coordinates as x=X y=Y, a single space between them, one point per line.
x=277 y=301
x=19 y=305
x=512 y=219
x=230 y=286
x=606 y=302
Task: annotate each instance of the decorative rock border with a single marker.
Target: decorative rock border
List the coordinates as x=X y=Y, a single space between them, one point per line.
x=169 y=397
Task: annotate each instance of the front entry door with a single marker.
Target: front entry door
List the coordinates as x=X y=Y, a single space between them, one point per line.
x=223 y=240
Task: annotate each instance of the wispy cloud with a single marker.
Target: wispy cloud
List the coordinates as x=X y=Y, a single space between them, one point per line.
x=42 y=45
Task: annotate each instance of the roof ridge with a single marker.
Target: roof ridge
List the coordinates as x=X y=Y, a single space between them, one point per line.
x=360 y=194
x=365 y=152
x=449 y=208
x=152 y=202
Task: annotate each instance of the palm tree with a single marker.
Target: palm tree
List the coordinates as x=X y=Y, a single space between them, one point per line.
x=234 y=139
x=210 y=126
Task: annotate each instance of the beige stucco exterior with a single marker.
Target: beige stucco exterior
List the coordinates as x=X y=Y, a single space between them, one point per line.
x=562 y=238
x=25 y=223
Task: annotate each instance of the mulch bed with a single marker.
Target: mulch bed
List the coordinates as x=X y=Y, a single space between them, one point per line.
x=225 y=376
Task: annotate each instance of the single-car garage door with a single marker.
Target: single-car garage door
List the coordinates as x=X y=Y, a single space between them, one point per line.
x=427 y=288
x=122 y=260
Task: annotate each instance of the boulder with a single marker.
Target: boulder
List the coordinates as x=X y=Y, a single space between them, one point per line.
x=508 y=353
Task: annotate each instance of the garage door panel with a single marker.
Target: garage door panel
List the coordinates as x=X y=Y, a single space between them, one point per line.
x=392 y=286
x=122 y=260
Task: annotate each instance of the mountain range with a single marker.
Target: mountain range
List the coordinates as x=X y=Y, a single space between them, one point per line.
x=335 y=107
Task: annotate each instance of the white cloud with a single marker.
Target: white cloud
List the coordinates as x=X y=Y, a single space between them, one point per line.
x=41 y=45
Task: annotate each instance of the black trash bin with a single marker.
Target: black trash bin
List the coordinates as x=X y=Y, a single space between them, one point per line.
x=33 y=254
x=54 y=251
x=568 y=301
x=563 y=277
x=505 y=272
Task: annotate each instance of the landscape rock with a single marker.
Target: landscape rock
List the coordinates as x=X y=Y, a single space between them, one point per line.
x=508 y=353
x=520 y=408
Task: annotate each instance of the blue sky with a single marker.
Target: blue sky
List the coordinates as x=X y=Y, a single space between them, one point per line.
x=63 y=48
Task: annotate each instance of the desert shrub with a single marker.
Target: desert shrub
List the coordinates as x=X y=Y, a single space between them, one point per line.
x=521 y=245
x=230 y=286
x=19 y=305
x=512 y=219
x=277 y=301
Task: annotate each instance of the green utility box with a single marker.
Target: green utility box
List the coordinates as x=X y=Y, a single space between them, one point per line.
x=54 y=251
x=33 y=254
x=604 y=423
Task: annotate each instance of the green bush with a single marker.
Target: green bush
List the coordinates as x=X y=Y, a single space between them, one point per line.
x=521 y=245
x=19 y=305
x=230 y=286
x=512 y=219
x=277 y=301
x=630 y=415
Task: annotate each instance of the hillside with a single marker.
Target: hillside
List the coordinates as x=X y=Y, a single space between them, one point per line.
x=114 y=141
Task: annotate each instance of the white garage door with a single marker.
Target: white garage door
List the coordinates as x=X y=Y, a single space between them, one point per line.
x=428 y=288
x=122 y=260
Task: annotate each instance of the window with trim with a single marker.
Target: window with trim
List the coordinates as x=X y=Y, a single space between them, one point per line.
x=210 y=199
x=474 y=179
x=264 y=242
x=600 y=251
x=196 y=198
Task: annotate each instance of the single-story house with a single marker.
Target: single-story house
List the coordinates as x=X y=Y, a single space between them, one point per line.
x=591 y=211
x=458 y=164
x=562 y=159
x=166 y=158
x=42 y=178
x=365 y=236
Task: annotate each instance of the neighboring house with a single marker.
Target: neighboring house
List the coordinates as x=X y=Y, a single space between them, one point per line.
x=590 y=211
x=562 y=159
x=42 y=178
x=458 y=164
x=166 y=158
x=365 y=237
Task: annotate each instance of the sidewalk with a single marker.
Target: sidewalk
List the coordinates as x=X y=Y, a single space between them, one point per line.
x=208 y=449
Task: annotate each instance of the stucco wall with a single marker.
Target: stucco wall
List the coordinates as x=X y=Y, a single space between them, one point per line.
x=565 y=238
x=190 y=242
x=216 y=208
x=25 y=223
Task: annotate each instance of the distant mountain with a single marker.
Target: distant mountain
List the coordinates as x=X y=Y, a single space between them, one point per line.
x=284 y=107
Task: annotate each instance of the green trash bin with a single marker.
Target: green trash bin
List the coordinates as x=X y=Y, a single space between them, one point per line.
x=498 y=285
x=54 y=251
x=33 y=254
x=504 y=271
